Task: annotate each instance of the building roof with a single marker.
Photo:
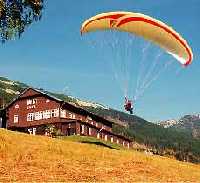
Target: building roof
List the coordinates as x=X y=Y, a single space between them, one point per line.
x=25 y=90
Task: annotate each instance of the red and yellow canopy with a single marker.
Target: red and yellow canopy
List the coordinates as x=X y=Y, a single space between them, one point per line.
x=143 y=26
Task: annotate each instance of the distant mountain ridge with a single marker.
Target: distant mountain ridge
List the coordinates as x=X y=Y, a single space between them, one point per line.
x=188 y=123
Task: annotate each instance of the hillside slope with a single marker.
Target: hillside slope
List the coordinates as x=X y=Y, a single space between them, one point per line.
x=38 y=158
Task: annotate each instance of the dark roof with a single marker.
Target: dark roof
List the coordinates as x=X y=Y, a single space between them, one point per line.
x=80 y=110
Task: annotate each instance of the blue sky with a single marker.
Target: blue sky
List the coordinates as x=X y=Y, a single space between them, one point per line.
x=52 y=55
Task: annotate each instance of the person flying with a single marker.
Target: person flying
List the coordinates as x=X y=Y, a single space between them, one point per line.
x=128 y=105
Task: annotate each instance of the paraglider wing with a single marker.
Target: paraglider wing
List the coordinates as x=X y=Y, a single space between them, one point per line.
x=143 y=26
x=101 y=22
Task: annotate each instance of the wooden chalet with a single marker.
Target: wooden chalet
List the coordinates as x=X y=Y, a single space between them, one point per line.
x=33 y=109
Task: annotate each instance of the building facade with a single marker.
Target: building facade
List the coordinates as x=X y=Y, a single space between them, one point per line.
x=33 y=110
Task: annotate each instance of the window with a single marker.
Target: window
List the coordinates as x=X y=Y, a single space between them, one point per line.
x=117 y=141
x=29 y=102
x=98 y=135
x=128 y=145
x=16 y=118
x=1 y=122
x=63 y=113
x=40 y=115
x=34 y=131
x=31 y=107
x=90 y=131
x=34 y=101
x=30 y=116
x=72 y=116
x=123 y=143
x=111 y=139
x=106 y=137
x=16 y=106
x=37 y=116
x=82 y=129
x=96 y=124
x=46 y=114
x=52 y=113
x=55 y=113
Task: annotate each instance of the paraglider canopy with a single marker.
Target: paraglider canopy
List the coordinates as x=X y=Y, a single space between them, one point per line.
x=143 y=26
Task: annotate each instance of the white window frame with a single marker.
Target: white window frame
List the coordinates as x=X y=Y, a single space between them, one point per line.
x=82 y=129
x=70 y=115
x=98 y=135
x=29 y=101
x=90 y=131
x=54 y=113
x=106 y=137
x=47 y=114
x=34 y=131
x=73 y=116
x=30 y=116
x=17 y=106
x=41 y=115
x=16 y=118
x=63 y=113
x=37 y=116
x=34 y=101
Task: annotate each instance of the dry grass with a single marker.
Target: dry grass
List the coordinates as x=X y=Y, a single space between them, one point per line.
x=34 y=158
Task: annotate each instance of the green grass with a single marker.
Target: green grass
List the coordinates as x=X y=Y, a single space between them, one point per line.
x=92 y=140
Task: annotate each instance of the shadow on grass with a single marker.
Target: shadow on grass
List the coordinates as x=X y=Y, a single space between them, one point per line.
x=99 y=144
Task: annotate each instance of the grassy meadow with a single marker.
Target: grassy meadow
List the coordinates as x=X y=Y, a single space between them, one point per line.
x=35 y=158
